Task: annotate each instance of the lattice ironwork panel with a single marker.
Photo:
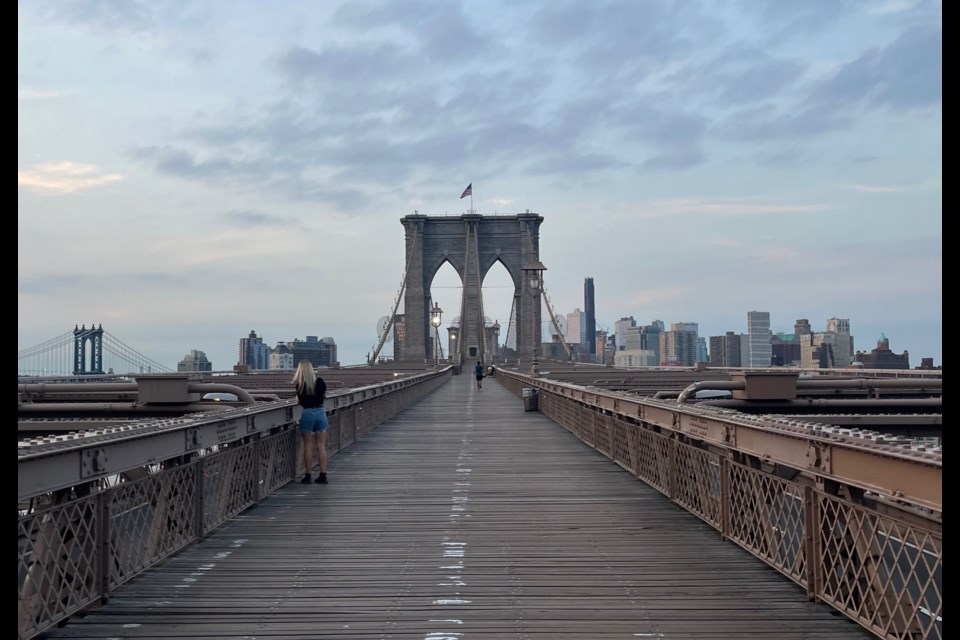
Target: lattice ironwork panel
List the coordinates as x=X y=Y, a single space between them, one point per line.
x=333 y=435
x=348 y=425
x=277 y=461
x=884 y=573
x=378 y=416
x=586 y=428
x=697 y=476
x=58 y=560
x=150 y=519
x=332 y=438
x=633 y=445
x=622 y=442
x=767 y=519
x=512 y=384
x=368 y=417
x=603 y=432
x=561 y=411
x=653 y=459
x=229 y=485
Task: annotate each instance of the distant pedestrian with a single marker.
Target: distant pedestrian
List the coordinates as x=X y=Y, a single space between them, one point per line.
x=311 y=392
x=478 y=372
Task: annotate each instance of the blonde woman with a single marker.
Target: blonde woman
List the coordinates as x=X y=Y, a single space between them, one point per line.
x=311 y=392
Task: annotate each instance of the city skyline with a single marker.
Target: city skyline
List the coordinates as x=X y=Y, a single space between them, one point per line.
x=188 y=172
x=859 y=345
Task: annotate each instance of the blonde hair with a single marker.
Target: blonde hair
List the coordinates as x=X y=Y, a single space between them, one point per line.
x=305 y=379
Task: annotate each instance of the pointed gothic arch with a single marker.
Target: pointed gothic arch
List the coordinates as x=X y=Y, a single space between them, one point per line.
x=471 y=244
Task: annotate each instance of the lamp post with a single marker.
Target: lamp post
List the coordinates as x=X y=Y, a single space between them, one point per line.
x=452 y=346
x=534 y=272
x=496 y=340
x=435 y=314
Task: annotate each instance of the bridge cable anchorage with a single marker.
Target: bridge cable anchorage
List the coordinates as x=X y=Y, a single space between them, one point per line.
x=396 y=303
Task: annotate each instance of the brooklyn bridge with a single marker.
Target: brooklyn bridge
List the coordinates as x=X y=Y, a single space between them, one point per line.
x=556 y=500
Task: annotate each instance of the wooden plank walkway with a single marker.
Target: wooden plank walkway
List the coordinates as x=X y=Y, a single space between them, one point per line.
x=464 y=517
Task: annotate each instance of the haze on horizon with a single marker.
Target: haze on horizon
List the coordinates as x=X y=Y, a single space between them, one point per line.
x=191 y=171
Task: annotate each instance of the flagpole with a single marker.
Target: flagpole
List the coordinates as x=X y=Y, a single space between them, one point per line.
x=471 y=198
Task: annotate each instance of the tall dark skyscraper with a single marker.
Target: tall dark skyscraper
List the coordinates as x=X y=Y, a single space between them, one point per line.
x=590 y=315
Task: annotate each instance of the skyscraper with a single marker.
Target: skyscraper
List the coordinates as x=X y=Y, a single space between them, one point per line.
x=254 y=354
x=844 y=342
x=590 y=312
x=620 y=331
x=830 y=348
x=725 y=350
x=576 y=327
x=759 y=349
x=679 y=345
x=196 y=361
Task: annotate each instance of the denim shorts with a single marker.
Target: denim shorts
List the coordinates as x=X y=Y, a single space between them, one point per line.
x=314 y=420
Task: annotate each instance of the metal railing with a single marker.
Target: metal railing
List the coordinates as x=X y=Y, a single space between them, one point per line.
x=89 y=540
x=881 y=567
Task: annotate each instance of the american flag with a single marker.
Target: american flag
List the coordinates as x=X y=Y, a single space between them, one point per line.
x=467 y=192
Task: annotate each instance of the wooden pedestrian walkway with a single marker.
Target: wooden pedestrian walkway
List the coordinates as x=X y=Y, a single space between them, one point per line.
x=464 y=517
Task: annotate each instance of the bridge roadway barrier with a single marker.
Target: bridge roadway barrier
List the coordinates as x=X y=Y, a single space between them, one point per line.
x=463 y=516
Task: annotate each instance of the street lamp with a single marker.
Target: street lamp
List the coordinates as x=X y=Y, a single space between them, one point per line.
x=435 y=314
x=534 y=273
x=452 y=346
x=496 y=339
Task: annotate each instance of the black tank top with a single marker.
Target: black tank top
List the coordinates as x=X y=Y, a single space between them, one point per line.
x=310 y=401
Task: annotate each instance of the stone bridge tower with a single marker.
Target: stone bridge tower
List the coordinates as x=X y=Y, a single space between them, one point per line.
x=87 y=350
x=472 y=244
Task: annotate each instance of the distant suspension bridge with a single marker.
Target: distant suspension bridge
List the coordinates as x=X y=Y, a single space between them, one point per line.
x=84 y=351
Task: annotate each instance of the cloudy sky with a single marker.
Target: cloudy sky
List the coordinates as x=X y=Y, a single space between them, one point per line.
x=189 y=172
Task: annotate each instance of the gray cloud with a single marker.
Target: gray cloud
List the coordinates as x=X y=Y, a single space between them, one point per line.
x=620 y=34
x=47 y=284
x=255 y=219
x=769 y=123
x=131 y=16
x=202 y=55
x=675 y=159
x=345 y=199
x=440 y=30
x=177 y=162
x=421 y=89
x=112 y=14
x=790 y=157
x=156 y=278
x=383 y=64
x=671 y=140
x=905 y=74
x=741 y=75
x=789 y=20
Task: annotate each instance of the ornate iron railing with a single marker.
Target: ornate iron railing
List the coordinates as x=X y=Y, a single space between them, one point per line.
x=76 y=545
x=879 y=563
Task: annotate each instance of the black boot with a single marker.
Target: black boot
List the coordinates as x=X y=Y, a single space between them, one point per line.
x=306 y=479
x=321 y=478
